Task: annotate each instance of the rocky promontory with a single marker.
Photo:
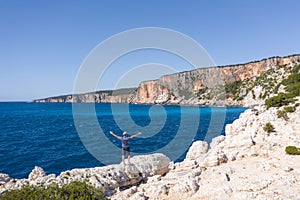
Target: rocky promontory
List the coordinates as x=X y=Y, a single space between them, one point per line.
x=232 y=85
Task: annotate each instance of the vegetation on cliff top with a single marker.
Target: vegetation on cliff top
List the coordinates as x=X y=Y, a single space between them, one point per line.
x=269 y=82
x=74 y=190
x=292 y=88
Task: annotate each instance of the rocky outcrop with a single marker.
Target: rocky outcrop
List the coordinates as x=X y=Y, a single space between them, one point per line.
x=247 y=163
x=108 y=178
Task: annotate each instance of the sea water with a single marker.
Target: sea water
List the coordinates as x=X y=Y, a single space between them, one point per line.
x=46 y=134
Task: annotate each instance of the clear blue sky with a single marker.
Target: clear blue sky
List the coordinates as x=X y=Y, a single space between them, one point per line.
x=43 y=43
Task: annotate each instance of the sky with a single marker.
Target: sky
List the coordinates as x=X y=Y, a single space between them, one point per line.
x=44 y=43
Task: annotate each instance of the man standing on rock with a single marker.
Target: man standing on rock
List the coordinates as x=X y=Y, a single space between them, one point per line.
x=125 y=146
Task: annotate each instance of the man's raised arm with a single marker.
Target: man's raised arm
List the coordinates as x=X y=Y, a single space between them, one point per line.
x=135 y=135
x=118 y=137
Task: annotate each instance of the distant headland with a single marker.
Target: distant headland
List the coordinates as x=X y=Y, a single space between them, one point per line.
x=246 y=84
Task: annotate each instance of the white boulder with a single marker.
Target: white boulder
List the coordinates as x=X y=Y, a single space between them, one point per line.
x=153 y=164
x=197 y=150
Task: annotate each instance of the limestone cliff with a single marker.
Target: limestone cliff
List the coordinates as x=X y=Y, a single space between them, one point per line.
x=190 y=87
x=222 y=85
x=108 y=96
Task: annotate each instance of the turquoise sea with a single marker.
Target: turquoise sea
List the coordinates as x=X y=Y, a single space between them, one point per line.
x=45 y=135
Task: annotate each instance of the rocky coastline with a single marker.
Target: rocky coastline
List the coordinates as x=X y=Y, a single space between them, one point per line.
x=109 y=178
x=231 y=85
x=247 y=163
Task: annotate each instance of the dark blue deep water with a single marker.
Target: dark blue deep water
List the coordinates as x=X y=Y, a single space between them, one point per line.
x=45 y=135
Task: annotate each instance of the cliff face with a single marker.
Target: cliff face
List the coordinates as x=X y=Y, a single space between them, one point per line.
x=87 y=98
x=182 y=87
x=117 y=96
x=203 y=86
x=150 y=92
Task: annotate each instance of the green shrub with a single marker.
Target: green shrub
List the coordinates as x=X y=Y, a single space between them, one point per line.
x=237 y=98
x=268 y=127
x=289 y=109
x=291 y=79
x=281 y=114
x=74 y=190
x=292 y=87
x=281 y=99
x=202 y=91
x=296 y=69
x=292 y=84
x=292 y=150
x=277 y=88
x=233 y=88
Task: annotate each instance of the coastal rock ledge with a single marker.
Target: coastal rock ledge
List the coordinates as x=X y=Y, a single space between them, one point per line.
x=109 y=178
